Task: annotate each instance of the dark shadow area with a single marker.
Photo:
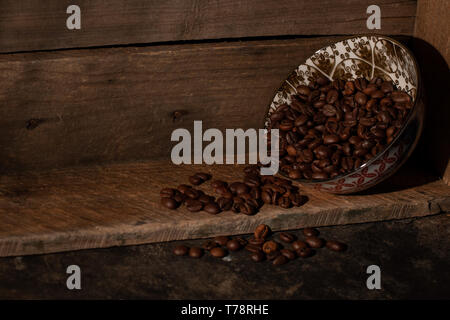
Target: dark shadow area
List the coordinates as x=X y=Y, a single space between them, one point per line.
x=434 y=147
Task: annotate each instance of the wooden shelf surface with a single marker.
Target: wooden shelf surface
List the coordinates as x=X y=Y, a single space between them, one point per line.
x=118 y=204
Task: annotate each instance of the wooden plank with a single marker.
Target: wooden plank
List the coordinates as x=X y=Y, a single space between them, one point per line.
x=102 y=105
x=103 y=206
x=37 y=25
x=432 y=47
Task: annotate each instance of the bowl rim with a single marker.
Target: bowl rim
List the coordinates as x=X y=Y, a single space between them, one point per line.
x=400 y=133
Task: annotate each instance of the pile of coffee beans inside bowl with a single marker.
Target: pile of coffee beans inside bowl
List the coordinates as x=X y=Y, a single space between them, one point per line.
x=245 y=197
x=264 y=246
x=333 y=127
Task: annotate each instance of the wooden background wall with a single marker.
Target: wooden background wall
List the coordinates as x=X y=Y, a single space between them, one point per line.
x=94 y=105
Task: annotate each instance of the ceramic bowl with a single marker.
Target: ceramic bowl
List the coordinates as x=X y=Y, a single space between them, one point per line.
x=366 y=56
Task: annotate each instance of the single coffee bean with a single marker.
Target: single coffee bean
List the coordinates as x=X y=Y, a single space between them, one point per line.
x=203 y=176
x=218 y=183
x=305 y=252
x=272 y=255
x=280 y=260
x=224 y=203
x=233 y=245
x=208 y=245
x=257 y=256
x=195 y=252
x=287 y=237
x=310 y=232
x=288 y=254
x=218 y=252
x=241 y=241
x=297 y=245
x=221 y=240
x=315 y=242
x=212 y=208
x=181 y=250
x=183 y=188
x=269 y=246
x=256 y=241
x=194 y=180
x=169 y=203
x=253 y=248
x=194 y=205
x=261 y=231
x=167 y=193
x=336 y=246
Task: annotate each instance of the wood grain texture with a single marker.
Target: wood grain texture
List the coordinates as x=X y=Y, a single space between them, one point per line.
x=432 y=47
x=103 y=206
x=37 y=25
x=104 y=105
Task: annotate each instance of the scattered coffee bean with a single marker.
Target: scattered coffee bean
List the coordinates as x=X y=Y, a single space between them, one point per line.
x=233 y=245
x=194 y=180
x=298 y=245
x=280 y=260
x=315 y=242
x=253 y=247
x=212 y=208
x=261 y=231
x=208 y=245
x=194 y=205
x=195 y=252
x=257 y=256
x=288 y=254
x=218 y=252
x=181 y=250
x=336 y=245
x=269 y=247
x=310 y=232
x=287 y=237
x=305 y=252
x=221 y=240
x=169 y=203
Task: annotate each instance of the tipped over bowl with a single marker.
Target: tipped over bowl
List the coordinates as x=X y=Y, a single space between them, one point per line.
x=371 y=57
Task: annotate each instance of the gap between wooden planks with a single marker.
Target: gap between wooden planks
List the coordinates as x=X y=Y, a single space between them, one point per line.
x=118 y=204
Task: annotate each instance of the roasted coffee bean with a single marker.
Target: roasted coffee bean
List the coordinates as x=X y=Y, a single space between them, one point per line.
x=169 y=203
x=168 y=192
x=195 y=252
x=257 y=256
x=273 y=255
x=310 y=232
x=181 y=250
x=288 y=254
x=233 y=245
x=269 y=246
x=218 y=183
x=287 y=237
x=241 y=241
x=315 y=242
x=297 y=245
x=336 y=245
x=206 y=199
x=305 y=252
x=212 y=208
x=224 y=203
x=194 y=205
x=253 y=248
x=203 y=176
x=221 y=240
x=192 y=193
x=194 y=180
x=183 y=188
x=208 y=245
x=218 y=252
x=280 y=260
x=261 y=231
x=256 y=241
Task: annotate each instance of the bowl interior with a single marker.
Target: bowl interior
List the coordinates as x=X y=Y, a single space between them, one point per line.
x=361 y=56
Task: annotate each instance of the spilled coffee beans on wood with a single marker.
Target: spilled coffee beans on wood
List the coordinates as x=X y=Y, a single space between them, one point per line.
x=245 y=197
x=263 y=246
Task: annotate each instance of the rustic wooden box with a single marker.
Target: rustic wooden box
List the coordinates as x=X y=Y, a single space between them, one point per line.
x=86 y=115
